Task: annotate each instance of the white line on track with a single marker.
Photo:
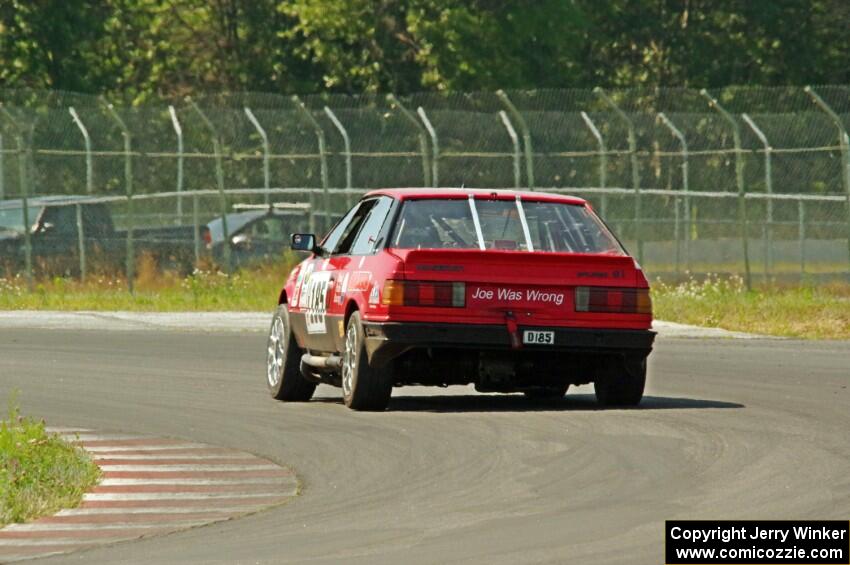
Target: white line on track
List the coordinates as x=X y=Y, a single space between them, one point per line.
x=165 y=468
x=35 y=542
x=98 y=496
x=36 y=527
x=230 y=510
x=152 y=447
x=23 y=557
x=167 y=456
x=234 y=481
x=74 y=437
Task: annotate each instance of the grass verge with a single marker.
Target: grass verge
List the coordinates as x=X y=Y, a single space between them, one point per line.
x=805 y=311
x=39 y=472
x=813 y=312
x=207 y=289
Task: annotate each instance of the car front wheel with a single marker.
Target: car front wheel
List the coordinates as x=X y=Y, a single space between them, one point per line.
x=363 y=387
x=283 y=372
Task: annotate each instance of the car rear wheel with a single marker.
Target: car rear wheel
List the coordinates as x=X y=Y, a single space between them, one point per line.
x=621 y=383
x=283 y=367
x=363 y=387
x=546 y=392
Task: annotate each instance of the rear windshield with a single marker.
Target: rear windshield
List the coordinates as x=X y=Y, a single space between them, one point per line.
x=501 y=224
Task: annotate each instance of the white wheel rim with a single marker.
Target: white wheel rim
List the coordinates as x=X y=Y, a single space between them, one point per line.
x=277 y=354
x=349 y=358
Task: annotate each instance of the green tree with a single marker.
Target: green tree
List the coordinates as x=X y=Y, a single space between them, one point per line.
x=405 y=45
x=143 y=49
x=50 y=43
x=716 y=42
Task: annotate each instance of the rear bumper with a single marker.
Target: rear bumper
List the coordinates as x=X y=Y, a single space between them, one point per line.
x=385 y=341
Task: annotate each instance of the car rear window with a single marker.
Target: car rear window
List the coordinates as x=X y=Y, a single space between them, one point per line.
x=514 y=225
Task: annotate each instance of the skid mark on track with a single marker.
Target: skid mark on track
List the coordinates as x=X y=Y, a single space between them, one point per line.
x=150 y=486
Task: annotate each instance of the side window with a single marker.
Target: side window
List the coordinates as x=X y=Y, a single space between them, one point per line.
x=353 y=227
x=333 y=237
x=63 y=220
x=97 y=221
x=268 y=229
x=368 y=236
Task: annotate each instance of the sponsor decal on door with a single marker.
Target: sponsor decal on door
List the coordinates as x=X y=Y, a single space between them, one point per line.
x=301 y=297
x=317 y=300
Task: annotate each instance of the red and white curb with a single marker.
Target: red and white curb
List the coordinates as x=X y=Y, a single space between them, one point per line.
x=150 y=486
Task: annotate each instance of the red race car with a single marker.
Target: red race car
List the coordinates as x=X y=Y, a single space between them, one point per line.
x=510 y=291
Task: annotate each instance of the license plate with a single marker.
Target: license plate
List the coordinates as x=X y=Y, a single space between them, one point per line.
x=532 y=337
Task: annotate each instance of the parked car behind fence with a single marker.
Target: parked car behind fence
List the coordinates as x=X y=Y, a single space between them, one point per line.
x=68 y=232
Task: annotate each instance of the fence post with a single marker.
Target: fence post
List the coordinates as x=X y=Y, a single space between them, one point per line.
x=739 y=177
x=128 y=185
x=603 y=159
x=683 y=143
x=266 y=170
x=2 y=175
x=634 y=166
x=347 y=143
x=178 y=131
x=526 y=135
x=423 y=138
x=768 y=186
x=801 y=234
x=87 y=139
x=24 y=189
x=844 y=142
x=219 y=177
x=435 y=147
x=81 y=241
x=323 y=157
x=515 y=140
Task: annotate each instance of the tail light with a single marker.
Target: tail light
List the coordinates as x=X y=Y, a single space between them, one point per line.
x=207 y=237
x=438 y=294
x=613 y=300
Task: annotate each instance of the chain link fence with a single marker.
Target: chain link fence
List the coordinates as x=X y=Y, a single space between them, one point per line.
x=754 y=181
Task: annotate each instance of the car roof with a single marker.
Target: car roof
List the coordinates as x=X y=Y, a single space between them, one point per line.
x=453 y=193
x=44 y=200
x=236 y=221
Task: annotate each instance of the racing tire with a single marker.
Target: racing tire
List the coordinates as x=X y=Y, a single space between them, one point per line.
x=283 y=370
x=621 y=383
x=547 y=392
x=364 y=387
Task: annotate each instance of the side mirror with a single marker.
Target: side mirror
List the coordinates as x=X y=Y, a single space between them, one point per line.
x=304 y=242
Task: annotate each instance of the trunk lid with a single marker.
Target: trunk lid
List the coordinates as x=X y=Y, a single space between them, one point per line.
x=533 y=286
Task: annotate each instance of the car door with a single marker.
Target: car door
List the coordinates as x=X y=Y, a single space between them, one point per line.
x=324 y=304
x=354 y=268
x=261 y=238
x=308 y=304
x=55 y=243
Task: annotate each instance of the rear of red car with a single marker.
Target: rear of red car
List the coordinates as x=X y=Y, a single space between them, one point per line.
x=514 y=292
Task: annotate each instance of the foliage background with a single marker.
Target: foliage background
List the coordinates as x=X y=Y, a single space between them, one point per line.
x=148 y=49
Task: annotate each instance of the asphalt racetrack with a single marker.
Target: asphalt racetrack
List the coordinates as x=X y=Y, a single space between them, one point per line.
x=729 y=429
